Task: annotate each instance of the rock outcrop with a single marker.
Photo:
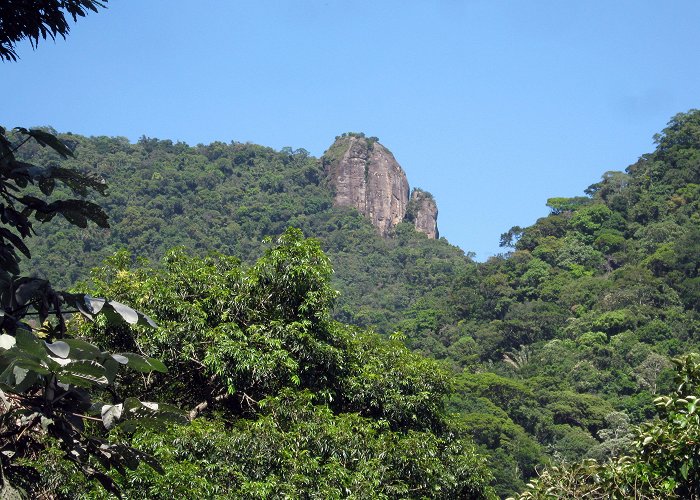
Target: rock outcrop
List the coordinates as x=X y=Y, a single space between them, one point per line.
x=365 y=175
x=423 y=211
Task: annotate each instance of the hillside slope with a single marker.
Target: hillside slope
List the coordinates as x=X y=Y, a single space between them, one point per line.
x=228 y=198
x=559 y=345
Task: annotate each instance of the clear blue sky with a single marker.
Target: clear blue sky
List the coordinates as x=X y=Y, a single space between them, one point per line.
x=492 y=106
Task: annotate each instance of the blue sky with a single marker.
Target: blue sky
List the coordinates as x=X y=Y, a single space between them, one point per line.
x=492 y=106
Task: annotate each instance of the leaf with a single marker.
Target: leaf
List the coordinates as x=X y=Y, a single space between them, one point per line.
x=10 y=492
x=106 y=482
x=81 y=345
x=131 y=404
x=29 y=344
x=89 y=370
x=129 y=456
x=78 y=302
x=15 y=240
x=23 y=379
x=79 y=182
x=152 y=462
x=55 y=364
x=27 y=289
x=7 y=341
x=111 y=369
x=111 y=414
x=77 y=212
x=50 y=140
x=20 y=374
x=32 y=365
x=127 y=313
x=94 y=304
x=5 y=402
x=148 y=321
x=59 y=348
x=157 y=365
x=120 y=359
x=47 y=185
x=77 y=380
x=138 y=363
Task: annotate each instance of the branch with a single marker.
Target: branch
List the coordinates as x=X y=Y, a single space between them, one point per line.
x=194 y=412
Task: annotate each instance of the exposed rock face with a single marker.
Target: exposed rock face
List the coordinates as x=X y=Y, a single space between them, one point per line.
x=365 y=175
x=424 y=213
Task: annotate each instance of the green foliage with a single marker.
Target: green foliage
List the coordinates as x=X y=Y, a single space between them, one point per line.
x=297 y=401
x=229 y=198
x=296 y=447
x=560 y=205
x=20 y=20
x=584 y=312
x=591 y=218
x=663 y=460
x=53 y=385
x=17 y=206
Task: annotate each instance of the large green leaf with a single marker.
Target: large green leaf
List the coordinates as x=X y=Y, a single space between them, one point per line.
x=7 y=341
x=82 y=349
x=29 y=344
x=33 y=365
x=91 y=371
x=143 y=364
x=157 y=365
x=111 y=414
x=94 y=304
x=125 y=312
x=21 y=379
x=59 y=348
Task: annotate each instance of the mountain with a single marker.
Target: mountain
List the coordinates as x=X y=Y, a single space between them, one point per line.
x=558 y=346
x=230 y=197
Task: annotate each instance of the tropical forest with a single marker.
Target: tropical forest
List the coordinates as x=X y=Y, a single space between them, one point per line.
x=230 y=320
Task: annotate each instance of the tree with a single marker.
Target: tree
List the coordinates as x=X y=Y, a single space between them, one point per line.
x=52 y=384
x=296 y=402
x=17 y=206
x=663 y=461
x=647 y=373
x=34 y=19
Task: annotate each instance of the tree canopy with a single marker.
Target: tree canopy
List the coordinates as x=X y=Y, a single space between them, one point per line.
x=427 y=375
x=583 y=313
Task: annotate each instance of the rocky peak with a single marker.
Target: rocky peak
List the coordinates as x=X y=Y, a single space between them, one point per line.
x=423 y=212
x=365 y=175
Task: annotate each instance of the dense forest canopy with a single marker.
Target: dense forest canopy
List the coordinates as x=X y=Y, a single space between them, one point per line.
x=552 y=351
x=561 y=368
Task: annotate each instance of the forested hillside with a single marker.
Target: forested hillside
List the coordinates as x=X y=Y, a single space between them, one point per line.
x=581 y=317
x=553 y=350
x=228 y=198
x=208 y=349
x=282 y=398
